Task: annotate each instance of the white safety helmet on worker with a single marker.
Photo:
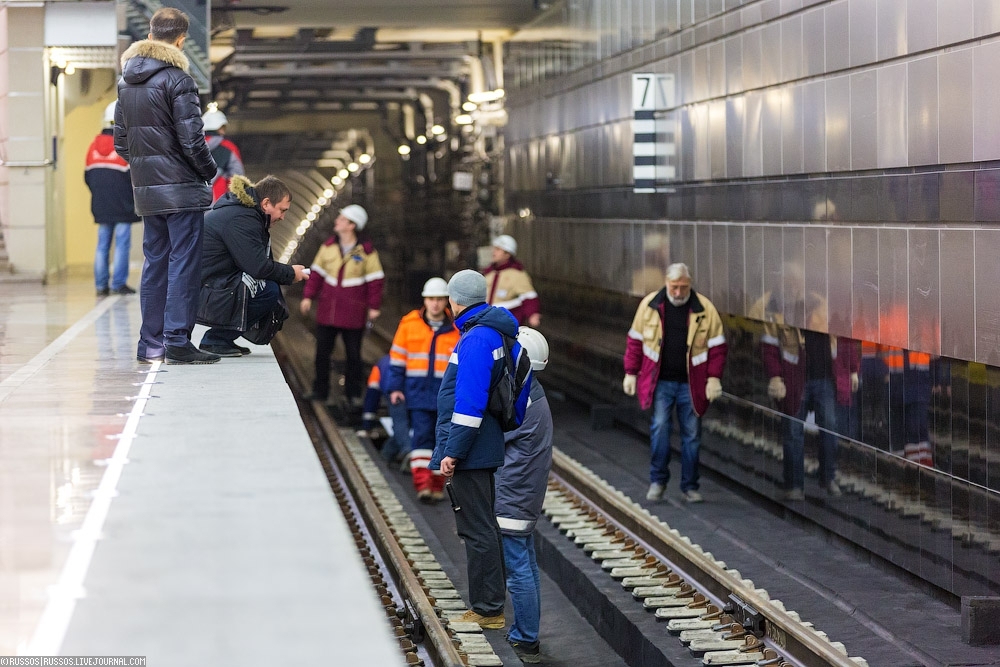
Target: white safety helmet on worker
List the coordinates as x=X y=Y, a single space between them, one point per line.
x=109 y=114
x=435 y=287
x=356 y=214
x=213 y=120
x=506 y=243
x=535 y=345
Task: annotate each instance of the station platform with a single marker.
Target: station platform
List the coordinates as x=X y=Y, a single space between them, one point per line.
x=174 y=512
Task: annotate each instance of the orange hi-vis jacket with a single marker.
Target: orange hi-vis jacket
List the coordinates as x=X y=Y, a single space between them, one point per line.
x=419 y=357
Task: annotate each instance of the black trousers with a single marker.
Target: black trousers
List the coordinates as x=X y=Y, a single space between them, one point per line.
x=326 y=338
x=477 y=526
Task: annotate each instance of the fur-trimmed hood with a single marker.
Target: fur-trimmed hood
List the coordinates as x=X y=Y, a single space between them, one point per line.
x=242 y=189
x=150 y=56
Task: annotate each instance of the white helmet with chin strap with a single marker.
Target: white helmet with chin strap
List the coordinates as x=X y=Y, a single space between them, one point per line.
x=535 y=345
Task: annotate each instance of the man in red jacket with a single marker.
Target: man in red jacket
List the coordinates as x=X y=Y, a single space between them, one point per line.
x=113 y=206
x=674 y=356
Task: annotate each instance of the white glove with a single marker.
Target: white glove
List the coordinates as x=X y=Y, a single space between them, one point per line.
x=628 y=385
x=713 y=389
x=776 y=388
x=854 y=382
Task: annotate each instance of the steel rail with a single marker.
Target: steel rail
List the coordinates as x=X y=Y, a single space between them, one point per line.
x=799 y=642
x=441 y=645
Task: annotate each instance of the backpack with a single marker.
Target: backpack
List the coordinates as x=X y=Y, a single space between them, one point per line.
x=507 y=388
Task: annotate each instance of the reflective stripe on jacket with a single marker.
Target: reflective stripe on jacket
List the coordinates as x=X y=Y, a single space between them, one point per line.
x=466 y=431
x=414 y=347
x=521 y=482
x=509 y=286
x=706 y=347
x=347 y=287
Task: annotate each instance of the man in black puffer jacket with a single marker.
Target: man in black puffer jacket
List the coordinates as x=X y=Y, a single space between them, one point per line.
x=158 y=131
x=237 y=252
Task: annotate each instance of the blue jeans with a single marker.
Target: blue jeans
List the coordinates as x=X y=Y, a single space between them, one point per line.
x=668 y=395
x=258 y=307
x=818 y=396
x=171 y=280
x=524 y=587
x=399 y=443
x=122 y=234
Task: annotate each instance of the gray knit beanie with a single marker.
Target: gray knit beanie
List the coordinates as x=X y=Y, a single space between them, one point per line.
x=467 y=288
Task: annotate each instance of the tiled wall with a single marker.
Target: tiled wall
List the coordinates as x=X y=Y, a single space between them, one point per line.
x=848 y=149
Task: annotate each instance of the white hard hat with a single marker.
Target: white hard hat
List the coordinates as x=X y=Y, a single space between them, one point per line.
x=536 y=346
x=435 y=287
x=109 y=113
x=213 y=120
x=356 y=214
x=506 y=243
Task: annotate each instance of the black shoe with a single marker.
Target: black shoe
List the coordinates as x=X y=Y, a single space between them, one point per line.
x=527 y=653
x=104 y=291
x=189 y=354
x=147 y=360
x=125 y=290
x=222 y=350
x=243 y=350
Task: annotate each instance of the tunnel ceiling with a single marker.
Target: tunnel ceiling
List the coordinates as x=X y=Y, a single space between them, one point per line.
x=274 y=57
x=310 y=76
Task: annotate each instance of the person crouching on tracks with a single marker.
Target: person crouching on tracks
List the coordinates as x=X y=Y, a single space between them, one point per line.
x=421 y=348
x=239 y=278
x=521 y=485
x=674 y=356
x=470 y=440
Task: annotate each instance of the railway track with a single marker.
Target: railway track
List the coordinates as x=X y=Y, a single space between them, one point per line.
x=717 y=613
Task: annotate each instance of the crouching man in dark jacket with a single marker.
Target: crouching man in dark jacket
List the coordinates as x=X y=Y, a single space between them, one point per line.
x=239 y=279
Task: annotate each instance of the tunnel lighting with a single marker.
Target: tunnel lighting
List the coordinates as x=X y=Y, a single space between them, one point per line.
x=310 y=216
x=322 y=201
x=364 y=158
x=353 y=167
x=403 y=149
x=469 y=106
x=437 y=129
x=336 y=180
x=292 y=245
x=486 y=96
x=421 y=140
x=343 y=173
x=463 y=119
x=524 y=212
x=70 y=69
x=316 y=208
x=328 y=193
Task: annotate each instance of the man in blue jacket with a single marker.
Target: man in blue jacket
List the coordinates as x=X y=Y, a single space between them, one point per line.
x=470 y=443
x=158 y=131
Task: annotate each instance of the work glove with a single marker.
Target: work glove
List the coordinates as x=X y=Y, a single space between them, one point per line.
x=628 y=385
x=776 y=388
x=713 y=389
x=854 y=382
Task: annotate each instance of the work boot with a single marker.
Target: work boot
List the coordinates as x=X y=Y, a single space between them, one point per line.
x=528 y=653
x=189 y=354
x=486 y=622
